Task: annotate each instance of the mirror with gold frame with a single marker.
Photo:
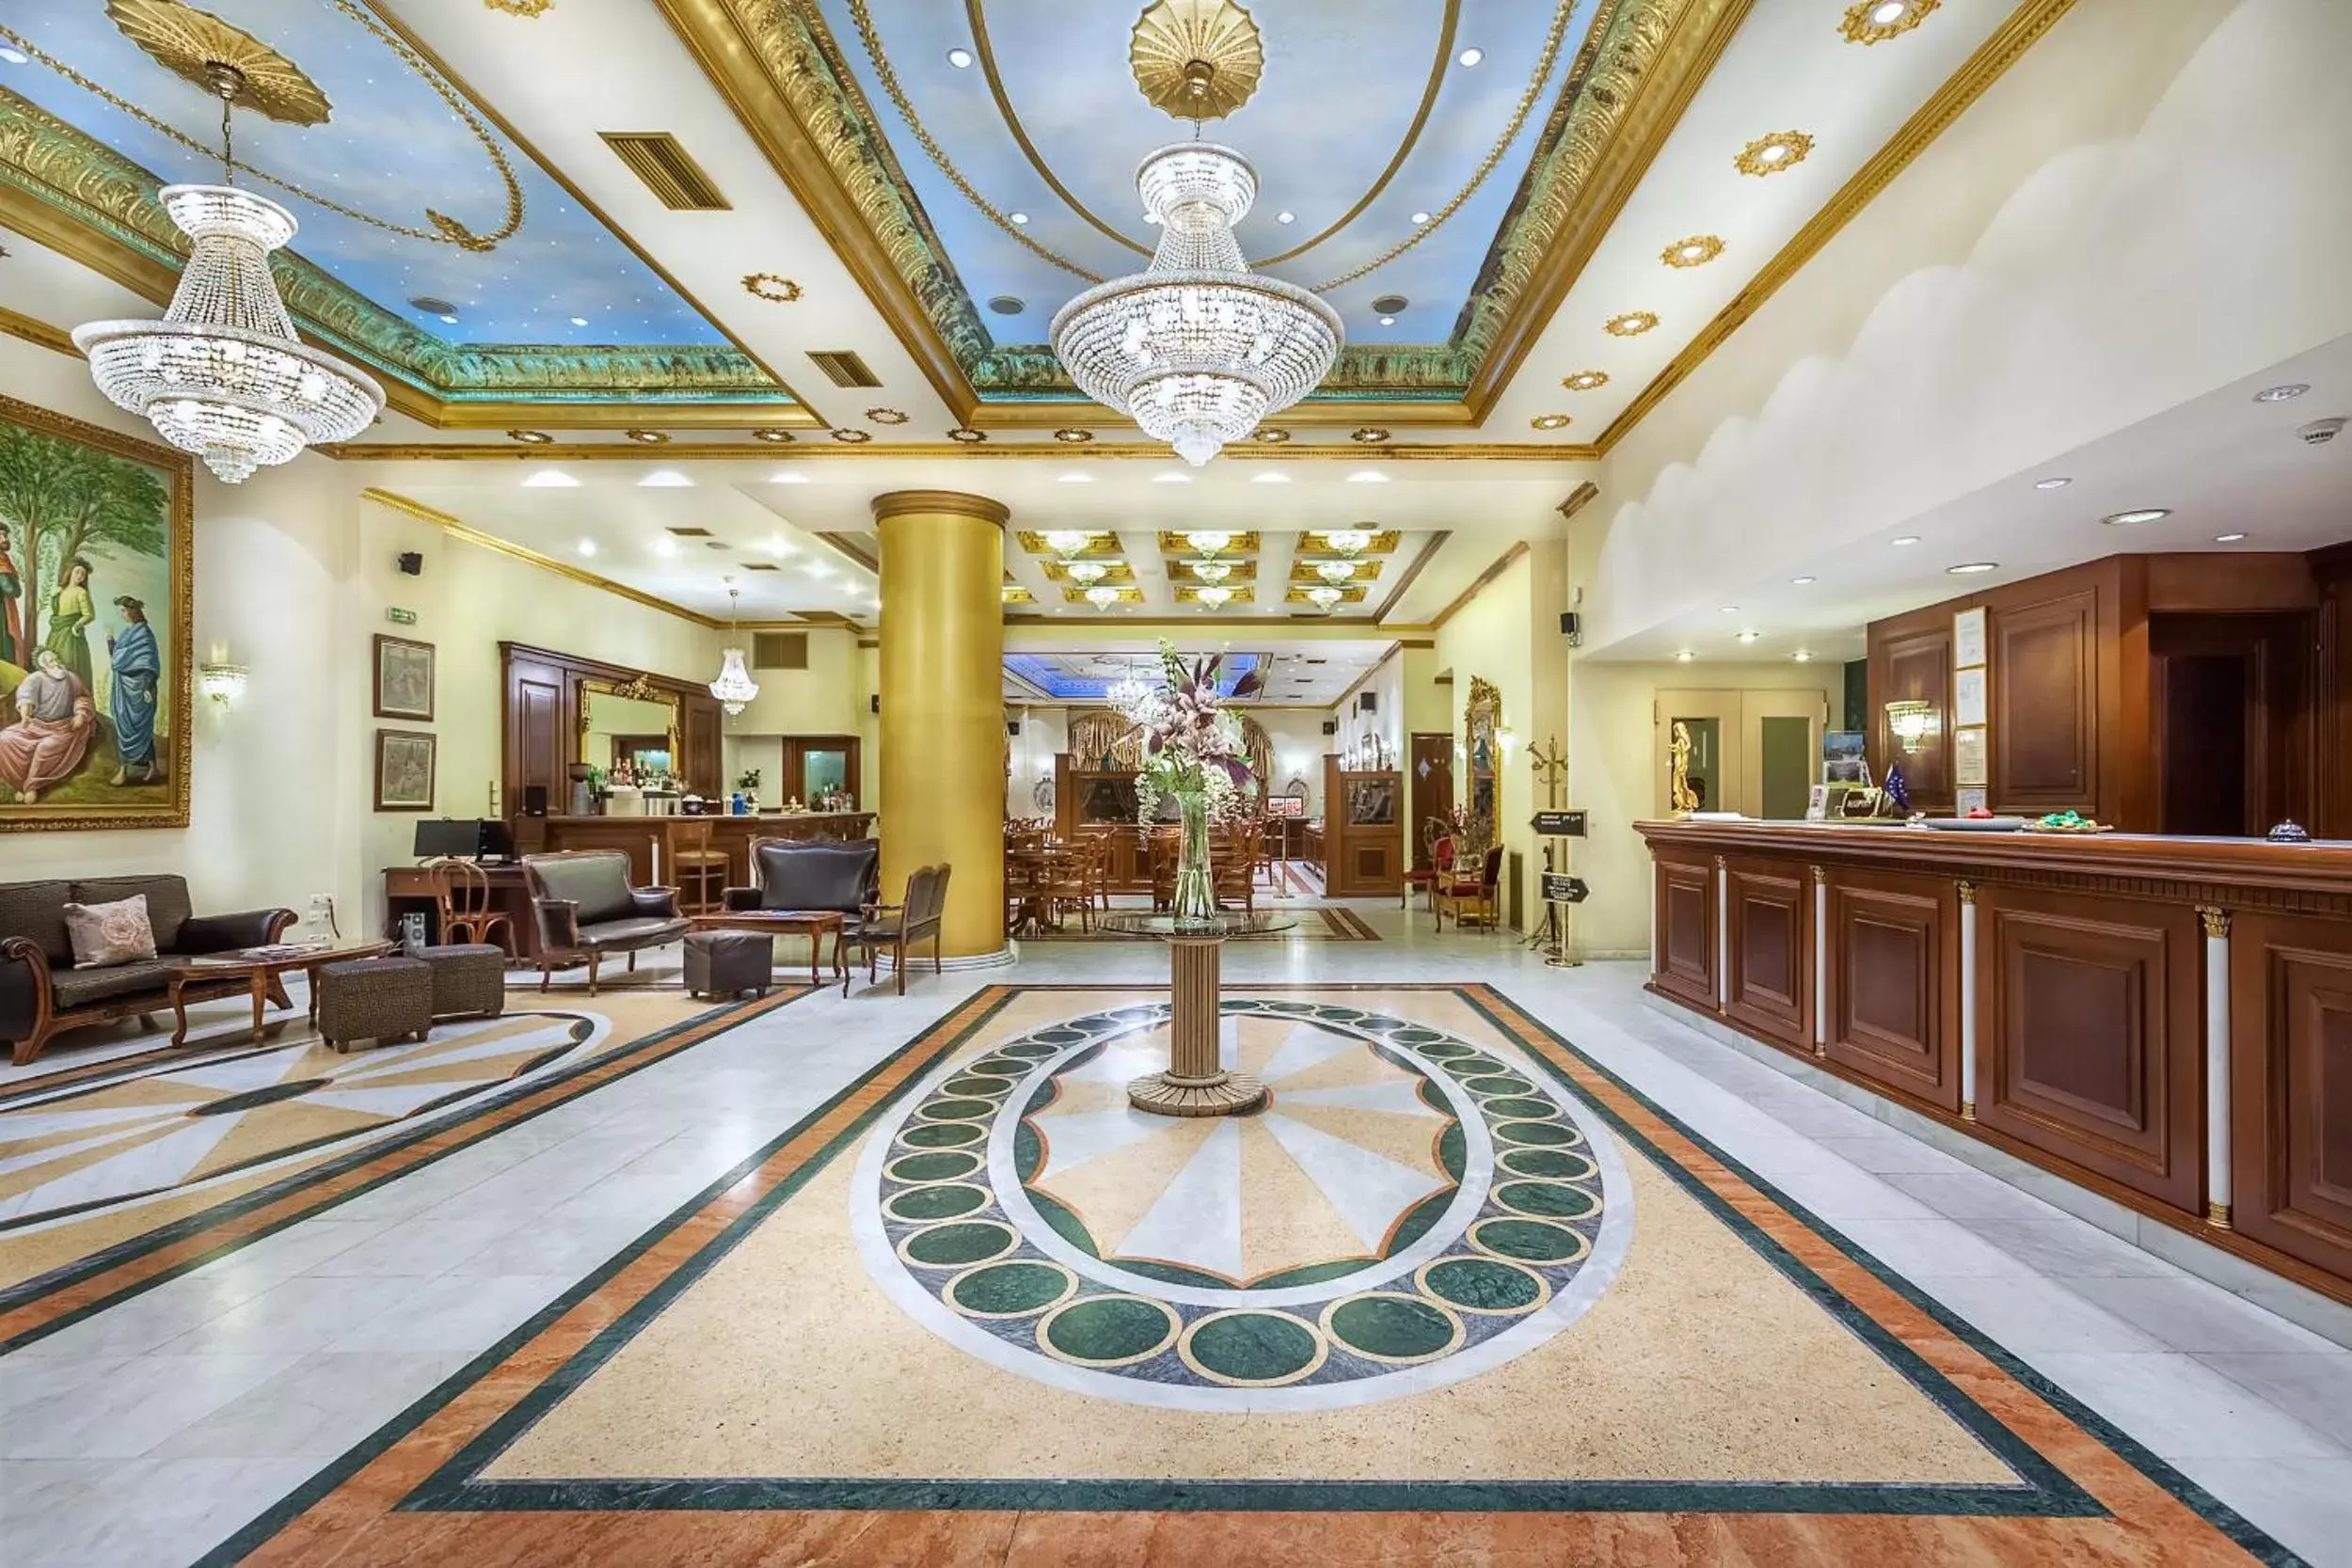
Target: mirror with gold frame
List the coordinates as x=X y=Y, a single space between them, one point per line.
x=1482 y=720
x=637 y=722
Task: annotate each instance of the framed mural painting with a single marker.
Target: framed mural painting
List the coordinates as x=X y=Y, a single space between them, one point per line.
x=403 y=770
x=97 y=579
x=404 y=678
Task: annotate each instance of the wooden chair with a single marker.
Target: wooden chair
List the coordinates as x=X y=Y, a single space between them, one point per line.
x=1234 y=867
x=1163 y=847
x=462 y=903
x=1064 y=882
x=1471 y=899
x=900 y=926
x=696 y=870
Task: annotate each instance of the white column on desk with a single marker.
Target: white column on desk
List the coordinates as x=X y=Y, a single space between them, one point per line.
x=1968 y=1001
x=2216 y=922
x=1820 y=961
x=1723 y=935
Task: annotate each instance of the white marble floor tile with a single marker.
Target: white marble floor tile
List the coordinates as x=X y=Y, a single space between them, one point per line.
x=2026 y=1314
x=456 y=1312
x=2306 y=1504
x=136 y=1407
x=2191 y=1315
x=2316 y=1389
x=2180 y=1407
x=317 y=1408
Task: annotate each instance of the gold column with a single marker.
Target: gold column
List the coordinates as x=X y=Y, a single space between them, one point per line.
x=943 y=709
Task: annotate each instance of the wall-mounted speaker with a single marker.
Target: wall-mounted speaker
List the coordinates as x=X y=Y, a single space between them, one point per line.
x=874 y=703
x=534 y=800
x=1367 y=702
x=411 y=563
x=1330 y=726
x=1012 y=727
x=1572 y=628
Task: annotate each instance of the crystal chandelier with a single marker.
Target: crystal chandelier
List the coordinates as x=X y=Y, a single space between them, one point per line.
x=734 y=688
x=222 y=375
x=1195 y=348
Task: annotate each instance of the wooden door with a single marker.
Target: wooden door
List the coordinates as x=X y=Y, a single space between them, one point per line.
x=1430 y=770
x=1780 y=751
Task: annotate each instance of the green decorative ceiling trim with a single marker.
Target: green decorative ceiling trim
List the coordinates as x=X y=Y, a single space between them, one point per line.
x=804 y=65
x=114 y=197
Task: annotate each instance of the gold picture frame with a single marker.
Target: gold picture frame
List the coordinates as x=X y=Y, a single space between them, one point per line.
x=141 y=550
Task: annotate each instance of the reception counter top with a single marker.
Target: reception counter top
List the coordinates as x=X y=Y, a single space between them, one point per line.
x=651 y=841
x=2165 y=1020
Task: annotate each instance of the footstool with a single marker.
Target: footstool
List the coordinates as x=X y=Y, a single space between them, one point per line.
x=374 y=999
x=725 y=963
x=467 y=978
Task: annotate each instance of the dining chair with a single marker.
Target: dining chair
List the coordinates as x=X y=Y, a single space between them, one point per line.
x=462 y=902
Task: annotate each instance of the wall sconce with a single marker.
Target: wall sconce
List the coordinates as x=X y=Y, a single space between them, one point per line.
x=223 y=683
x=1911 y=723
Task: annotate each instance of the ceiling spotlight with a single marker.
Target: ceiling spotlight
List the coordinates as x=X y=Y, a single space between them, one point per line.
x=1348 y=540
x=1585 y=381
x=1067 y=541
x=1209 y=541
x=1749 y=636
x=666 y=479
x=1367 y=476
x=647 y=438
x=1471 y=57
x=2056 y=482
x=1337 y=571
x=1017 y=218
x=2227 y=538
x=1903 y=540
x=1549 y=421
x=817 y=569
x=1421 y=217
x=1076 y=479
x=1387 y=320
x=1088 y=573
x=1803 y=656
x=1214 y=597
x=1173 y=476
x=1800 y=582
x=2144 y=515
x=1286 y=217
x=1731 y=609
x=550 y=479
x=579 y=320
x=1102 y=596
x=1970 y=568
x=13 y=56
x=587 y=546
x=788 y=477
x=2281 y=393
x=1269 y=478
x=665 y=546
x=1888 y=12
x=1685 y=656
x=960 y=58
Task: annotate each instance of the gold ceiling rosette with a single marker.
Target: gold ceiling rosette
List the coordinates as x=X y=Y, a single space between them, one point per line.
x=1196 y=59
x=194 y=45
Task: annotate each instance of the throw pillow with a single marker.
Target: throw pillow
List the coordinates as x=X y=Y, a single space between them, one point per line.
x=108 y=934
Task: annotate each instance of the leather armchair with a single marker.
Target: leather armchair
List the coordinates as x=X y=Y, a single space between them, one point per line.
x=900 y=926
x=585 y=907
x=799 y=874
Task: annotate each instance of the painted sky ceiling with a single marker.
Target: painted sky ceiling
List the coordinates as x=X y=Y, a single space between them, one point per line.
x=1341 y=94
x=558 y=306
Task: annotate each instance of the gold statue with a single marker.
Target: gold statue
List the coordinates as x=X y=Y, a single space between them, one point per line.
x=1679 y=794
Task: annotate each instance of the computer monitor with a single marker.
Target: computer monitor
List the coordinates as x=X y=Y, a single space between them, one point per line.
x=472 y=838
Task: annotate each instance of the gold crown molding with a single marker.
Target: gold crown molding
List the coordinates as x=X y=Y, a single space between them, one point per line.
x=1577 y=500
x=40 y=333
x=953 y=503
x=1349 y=414
x=2007 y=45
x=459 y=529
x=1429 y=550
x=851 y=547
x=1478 y=585
x=682 y=451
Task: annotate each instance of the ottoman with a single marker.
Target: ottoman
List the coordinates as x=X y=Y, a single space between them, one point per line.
x=469 y=977
x=374 y=999
x=724 y=963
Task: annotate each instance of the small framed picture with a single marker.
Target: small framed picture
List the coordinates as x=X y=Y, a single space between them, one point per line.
x=1966 y=800
x=1968 y=698
x=1817 y=803
x=1968 y=639
x=403 y=770
x=404 y=679
x=1968 y=757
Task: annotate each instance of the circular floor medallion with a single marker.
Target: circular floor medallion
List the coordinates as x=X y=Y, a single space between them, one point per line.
x=1410 y=1209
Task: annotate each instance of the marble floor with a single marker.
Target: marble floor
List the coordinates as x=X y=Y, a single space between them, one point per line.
x=151 y=1431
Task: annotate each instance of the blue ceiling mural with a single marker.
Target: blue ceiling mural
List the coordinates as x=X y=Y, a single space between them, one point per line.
x=1054 y=675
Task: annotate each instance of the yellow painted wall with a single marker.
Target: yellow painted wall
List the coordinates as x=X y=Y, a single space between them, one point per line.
x=1491 y=637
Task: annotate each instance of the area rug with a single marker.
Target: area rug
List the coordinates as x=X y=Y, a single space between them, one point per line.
x=1457 y=1294
x=1312 y=923
x=116 y=1176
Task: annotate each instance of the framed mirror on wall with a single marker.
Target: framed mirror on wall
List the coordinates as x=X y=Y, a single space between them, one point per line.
x=635 y=724
x=1482 y=727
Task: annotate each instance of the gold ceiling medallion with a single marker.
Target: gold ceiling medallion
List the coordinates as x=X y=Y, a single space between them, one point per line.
x=886 y=416
x=1195 y=59
x=648 y=437
x=1586 y=381
x=852 y=437
x=519 y=7
x=1074 y=437
x=530 y=438
x=1769 y=154
x=195 y=45
x=1876 y=21
x=1696 y=251
x=771 y=287
x=964 y=435
x=771 y=433
x=1271 y=438
x=1632 y=324
x=1370 y=436
x=1548 y=421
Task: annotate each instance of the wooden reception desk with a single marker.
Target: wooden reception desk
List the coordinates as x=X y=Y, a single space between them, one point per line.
x=2165 y=1020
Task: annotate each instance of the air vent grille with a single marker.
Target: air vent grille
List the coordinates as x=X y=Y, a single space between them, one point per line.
x=843 y=368
x=691 y=532
x=656 y=158
x=779 y=650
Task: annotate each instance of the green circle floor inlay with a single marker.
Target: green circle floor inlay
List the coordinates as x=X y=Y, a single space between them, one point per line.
x=1395 y=1327
x=1253 y=1347
x=1522 y=1105
x=1110 y=1328
x=1533 y=1132
x=947 y=1245
x=1500 y=1083
x=1551 y=1198
x=949 y=1134
x=978 y=1083
x=1010 y=1289
x=944 y=1166
x=1547 y=1163
x=1536 y=1241
x=935 y=1203
x=957 y=1110
x=1482 y=1285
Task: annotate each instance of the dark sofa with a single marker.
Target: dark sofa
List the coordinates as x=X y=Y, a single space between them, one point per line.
x=585 y=908
x=41 y=992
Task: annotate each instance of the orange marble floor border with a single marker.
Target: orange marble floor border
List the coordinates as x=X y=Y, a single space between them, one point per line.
x=360 y=1512
x=41 y=1307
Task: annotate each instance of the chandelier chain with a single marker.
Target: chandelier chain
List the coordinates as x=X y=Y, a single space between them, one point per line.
x=444 y=231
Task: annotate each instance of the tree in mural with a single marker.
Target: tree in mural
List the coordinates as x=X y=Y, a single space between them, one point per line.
x=60 y=500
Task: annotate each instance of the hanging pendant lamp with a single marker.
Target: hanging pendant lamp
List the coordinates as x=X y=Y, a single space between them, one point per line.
x=734 y=688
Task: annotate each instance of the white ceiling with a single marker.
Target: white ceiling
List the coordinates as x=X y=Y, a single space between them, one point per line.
x=2223 y=463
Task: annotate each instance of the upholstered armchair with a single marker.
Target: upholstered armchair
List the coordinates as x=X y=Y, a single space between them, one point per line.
x=585 y=908
x=900 y=926
x=804 y=874
x=1471 y=899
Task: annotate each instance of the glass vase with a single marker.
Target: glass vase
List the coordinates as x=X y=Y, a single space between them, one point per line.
x=1195 y=895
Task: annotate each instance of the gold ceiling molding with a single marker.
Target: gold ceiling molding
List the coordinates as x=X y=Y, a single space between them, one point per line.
x=1478 y=584
x=848 y=438
x=191 y=45
x=1758 y=159
x=519 y=7
x=1549 y=421
x=2003 y=49
x=1578 y=500
x=963 y=436
x=1129 y=593
x=1074 y=437
x=1235 y=593
x=1586 y=381
x=1349 y=593
x=1368 y=435
x=1861 y=23
x=1629 y=323
x=1696 y=251
x=1384 y=542
x=530 y=437
x=773 y=287
x=39 y=333
x=1195 y=59
x=706 y=451
x=1099 y=543
x=886 y=416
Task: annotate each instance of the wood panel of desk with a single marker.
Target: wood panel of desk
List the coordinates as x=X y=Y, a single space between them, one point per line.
x=2165 y=1020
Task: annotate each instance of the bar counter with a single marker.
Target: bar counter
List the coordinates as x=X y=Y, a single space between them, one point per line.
x=2165 y=1020
x=651 y=841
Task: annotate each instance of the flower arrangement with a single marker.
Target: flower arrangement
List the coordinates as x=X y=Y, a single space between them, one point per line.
x=1192 y=749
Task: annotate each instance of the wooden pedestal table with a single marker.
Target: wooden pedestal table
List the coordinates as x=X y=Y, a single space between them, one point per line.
x=1196 y=1083
x=263 y=970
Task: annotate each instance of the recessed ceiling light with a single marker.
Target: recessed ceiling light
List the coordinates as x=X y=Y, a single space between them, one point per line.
x=1731 y=609
x=779 y=548
x=2281 y=393
x=1018 y=217
x=1685 y=656
x=960 y=58
x=587 y=546
x=1471 y=57
x=665 y=546
x=1171 y=477
x=2227 y=538
x=1905 y=539
x=1367 y=476
x=13 y=56
x=1749 y=636
x=1286 y=217
x=1888 y=12
x=788 y=477
x=1969 y=568
x=450 y=319
x=1800 y=581
x=1269 y=479
x=2144 y=515
x=579 y=320
x=2056 y=482
x=1421 y=217
x=817 y=569
x=1387 y=320
x=1008 y=305
x=1803 y=656
x=550 y=479
x=1076 y=479
x=665 y=479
